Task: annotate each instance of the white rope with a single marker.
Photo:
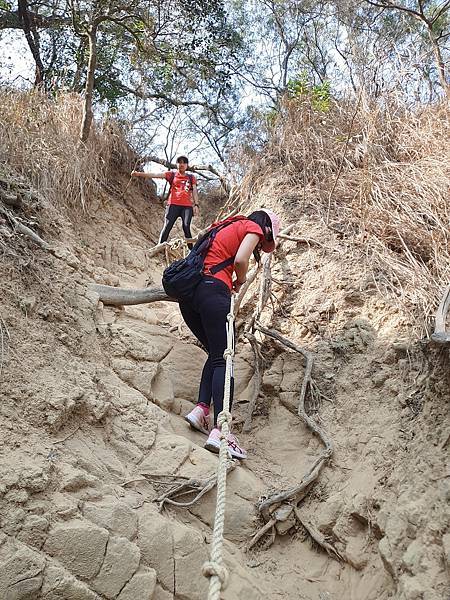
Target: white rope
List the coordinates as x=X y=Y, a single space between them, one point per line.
x=214 y=568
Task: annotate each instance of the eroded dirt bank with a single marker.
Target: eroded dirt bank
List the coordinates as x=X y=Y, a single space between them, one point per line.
x=92 y=397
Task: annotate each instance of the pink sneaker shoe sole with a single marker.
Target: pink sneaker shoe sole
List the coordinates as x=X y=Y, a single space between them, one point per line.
x=212 y=446
x=196 y=424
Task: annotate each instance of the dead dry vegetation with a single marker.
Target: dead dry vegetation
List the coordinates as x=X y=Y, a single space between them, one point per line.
x=377 y=175
x=92 y=397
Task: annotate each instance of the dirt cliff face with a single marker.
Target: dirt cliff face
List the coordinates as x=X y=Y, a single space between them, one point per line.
x=92 y=405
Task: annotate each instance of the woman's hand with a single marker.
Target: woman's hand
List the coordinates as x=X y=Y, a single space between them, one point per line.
x=237 y=285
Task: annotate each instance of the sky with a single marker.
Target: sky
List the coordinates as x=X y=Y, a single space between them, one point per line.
x=16 y=62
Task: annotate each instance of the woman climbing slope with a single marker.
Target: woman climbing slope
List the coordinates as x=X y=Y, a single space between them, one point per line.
x=206 y=314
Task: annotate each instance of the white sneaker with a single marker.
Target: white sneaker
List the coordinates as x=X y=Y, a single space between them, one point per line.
x=234 y=450
x=198 y=420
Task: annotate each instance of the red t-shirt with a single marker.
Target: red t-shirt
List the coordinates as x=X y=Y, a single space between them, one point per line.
x=181 y=190
x=226 y=244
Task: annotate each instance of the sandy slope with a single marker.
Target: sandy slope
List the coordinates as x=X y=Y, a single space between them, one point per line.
x=92 y=397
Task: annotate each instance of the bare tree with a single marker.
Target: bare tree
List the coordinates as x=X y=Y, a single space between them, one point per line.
x=432 y=16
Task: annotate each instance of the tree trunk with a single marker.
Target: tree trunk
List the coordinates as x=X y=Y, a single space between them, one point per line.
x=439 y=62
x=77 y=85
x=89 y=88
x=32 y=38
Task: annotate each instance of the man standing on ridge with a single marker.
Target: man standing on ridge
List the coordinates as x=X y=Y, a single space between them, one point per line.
x=183 y=197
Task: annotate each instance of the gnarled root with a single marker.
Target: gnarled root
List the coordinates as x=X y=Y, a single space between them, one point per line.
x=183 y=486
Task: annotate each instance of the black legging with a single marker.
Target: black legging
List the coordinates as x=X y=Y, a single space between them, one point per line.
x=206 y=317
x=173 y=211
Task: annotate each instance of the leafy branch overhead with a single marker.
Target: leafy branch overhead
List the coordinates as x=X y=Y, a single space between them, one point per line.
x=174 y=53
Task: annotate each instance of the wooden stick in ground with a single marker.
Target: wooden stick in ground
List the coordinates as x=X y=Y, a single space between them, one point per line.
x=258 y=535
x=299 y=491
x=441 y=335
x=257 y=382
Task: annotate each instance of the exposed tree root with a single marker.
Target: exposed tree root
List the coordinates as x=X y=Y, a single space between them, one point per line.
x=316 y=535
x=183 y=486
x=279 y=506
x=257 y=387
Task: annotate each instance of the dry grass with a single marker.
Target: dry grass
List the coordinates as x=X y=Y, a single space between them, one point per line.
x=378 y=173
x=39 y=140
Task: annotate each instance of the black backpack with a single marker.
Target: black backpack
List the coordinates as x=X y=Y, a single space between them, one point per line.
x=182 y=277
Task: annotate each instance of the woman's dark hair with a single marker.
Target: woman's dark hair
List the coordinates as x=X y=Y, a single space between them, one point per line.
x=261 y=218
x=183 y=159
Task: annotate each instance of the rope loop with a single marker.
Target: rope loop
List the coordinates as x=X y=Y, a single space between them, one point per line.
x=228 y=352
x=224 y=417
x=211 y=568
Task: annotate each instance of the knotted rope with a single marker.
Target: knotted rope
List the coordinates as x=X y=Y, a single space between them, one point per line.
x=215 y=569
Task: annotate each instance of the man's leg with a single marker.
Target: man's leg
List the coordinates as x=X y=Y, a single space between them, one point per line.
x=172 y=213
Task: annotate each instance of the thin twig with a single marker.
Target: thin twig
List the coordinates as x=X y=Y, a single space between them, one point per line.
x=67 y=436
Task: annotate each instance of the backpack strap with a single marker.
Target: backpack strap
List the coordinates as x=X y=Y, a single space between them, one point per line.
x=222 y=265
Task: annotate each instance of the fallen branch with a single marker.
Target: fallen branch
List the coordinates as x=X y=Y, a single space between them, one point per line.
x=251 y=276
x=61 y=253
x=4 y=342
x=265 y=289
x=26 y=230
x=193 y=168
x=115 y=296
x=67 y=436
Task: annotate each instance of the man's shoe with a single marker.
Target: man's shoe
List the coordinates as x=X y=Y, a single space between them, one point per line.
x=234 y=450
x=198 y=420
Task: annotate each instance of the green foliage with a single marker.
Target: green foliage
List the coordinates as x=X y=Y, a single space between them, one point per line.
x=271 y=116
x=319 y=94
